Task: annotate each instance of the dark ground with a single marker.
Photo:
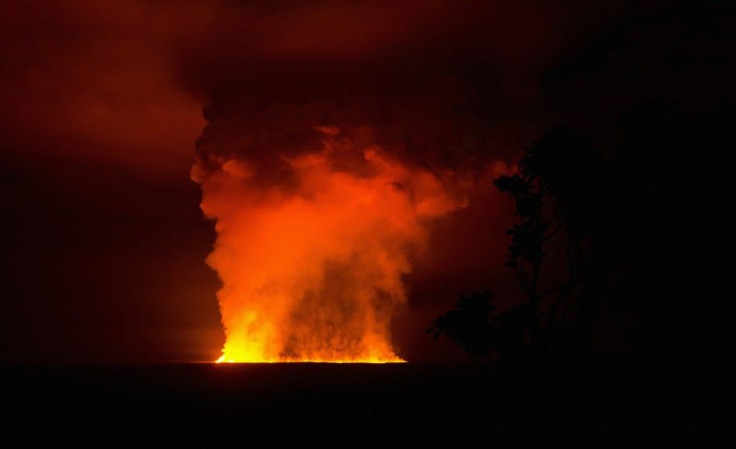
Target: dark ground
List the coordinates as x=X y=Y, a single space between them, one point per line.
x=352 y=403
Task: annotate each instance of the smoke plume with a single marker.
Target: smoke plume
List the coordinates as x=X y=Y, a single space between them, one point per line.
x=316 y=226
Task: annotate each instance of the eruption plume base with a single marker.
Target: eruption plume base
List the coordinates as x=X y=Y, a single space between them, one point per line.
x=312 y=261
x=222 y=359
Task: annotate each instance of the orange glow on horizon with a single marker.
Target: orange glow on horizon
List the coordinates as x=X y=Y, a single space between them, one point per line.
x=221 y=360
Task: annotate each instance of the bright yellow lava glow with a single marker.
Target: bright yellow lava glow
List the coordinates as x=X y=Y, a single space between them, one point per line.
x=397 y=360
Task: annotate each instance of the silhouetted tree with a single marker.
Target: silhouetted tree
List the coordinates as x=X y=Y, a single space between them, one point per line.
x=547 y=191
x=643 y=238
x=470 y=325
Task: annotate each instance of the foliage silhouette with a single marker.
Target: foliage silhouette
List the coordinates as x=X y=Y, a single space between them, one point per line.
x=543 y=196
x=641 y=239
x=470 y=325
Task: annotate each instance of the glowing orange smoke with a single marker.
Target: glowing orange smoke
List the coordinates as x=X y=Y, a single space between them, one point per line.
x=312 y=266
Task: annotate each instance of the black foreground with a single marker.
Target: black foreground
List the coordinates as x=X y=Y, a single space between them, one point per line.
x=350 y=404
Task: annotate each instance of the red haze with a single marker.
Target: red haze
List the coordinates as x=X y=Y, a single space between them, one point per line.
x=103 y=102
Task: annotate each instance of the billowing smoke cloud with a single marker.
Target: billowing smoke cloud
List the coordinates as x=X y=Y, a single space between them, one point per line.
x=317 y=225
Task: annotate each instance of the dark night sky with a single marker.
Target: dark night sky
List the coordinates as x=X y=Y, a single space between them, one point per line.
x=102 y=102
